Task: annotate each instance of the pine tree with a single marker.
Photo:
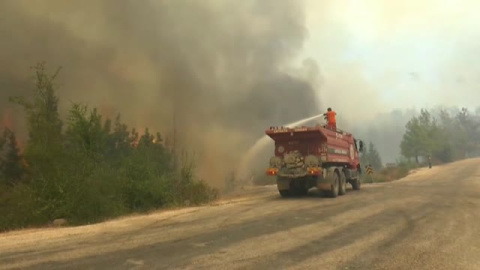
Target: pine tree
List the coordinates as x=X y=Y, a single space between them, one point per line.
x=11 y=165
x=364 y=158
x=374 y=156
x=3 y=140
x=371 y=157
x=420 y=136
x=120 y=139
x=146 y=140
x=44 y=124
x=85 y=130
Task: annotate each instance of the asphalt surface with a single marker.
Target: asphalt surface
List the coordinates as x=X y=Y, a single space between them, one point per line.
x=429 y=220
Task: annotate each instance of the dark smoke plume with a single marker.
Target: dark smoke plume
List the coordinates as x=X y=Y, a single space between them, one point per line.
x=216 y=66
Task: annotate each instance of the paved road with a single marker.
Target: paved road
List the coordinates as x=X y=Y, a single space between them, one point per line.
x=429 y=220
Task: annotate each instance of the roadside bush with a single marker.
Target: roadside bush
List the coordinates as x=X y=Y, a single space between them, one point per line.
x=197 y=192
x=390 y=173
x=18 y=208
x=187 y=187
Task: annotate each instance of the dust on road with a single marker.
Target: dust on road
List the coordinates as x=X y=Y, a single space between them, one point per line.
x=425 y=221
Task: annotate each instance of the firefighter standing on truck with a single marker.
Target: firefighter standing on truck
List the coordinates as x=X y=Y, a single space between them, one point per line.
x=331 y=119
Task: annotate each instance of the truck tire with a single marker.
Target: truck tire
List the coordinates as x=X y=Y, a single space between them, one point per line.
x=343 y=184
x=302 y=191
x=356 y=184
x=284 y=193
x=335 y=185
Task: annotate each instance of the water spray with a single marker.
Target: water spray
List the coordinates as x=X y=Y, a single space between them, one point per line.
x=263 y=142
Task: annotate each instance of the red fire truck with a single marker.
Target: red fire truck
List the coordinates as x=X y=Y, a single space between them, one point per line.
x=307 y=157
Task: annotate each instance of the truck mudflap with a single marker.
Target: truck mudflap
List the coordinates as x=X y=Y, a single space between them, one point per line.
x=326 y=180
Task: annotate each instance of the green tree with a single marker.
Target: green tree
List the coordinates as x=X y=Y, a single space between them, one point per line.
x=371 y=156
x=44 y=124
x=421 y=136
x=93 y=170
x=3 y=140
x=44 y=153
x=146 y=140
x=374 y=156
x=119 y=142
x=11 y=165
x=429 y=140
x=445 y=137
x=467 y=132
x=409 y=145
x=452 y=138
x=85 y=131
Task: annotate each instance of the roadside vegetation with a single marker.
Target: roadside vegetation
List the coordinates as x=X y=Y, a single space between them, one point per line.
x=387 y=174
x=87 y=169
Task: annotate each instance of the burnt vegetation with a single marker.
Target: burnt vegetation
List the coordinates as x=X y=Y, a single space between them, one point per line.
x=87 y=169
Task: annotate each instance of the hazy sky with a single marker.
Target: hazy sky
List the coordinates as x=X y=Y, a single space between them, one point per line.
x=220 y=73
x=395 y=54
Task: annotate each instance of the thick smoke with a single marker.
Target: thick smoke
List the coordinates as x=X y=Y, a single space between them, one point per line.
x=216 y=67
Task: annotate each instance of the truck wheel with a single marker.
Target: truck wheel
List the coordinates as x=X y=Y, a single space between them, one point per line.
x=284 y=193
x=343 y=184
x=356 y=184
x=301 y=191
x=335 y=185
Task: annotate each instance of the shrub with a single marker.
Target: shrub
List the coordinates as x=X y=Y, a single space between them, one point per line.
x=94 y=170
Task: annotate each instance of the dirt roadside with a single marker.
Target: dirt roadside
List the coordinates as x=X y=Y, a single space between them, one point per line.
x=426 y=220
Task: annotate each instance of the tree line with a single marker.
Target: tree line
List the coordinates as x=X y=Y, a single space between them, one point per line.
x=445 y=136
x=87 y=168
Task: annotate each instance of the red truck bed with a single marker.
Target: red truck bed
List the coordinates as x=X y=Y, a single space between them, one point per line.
x=330 y=146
